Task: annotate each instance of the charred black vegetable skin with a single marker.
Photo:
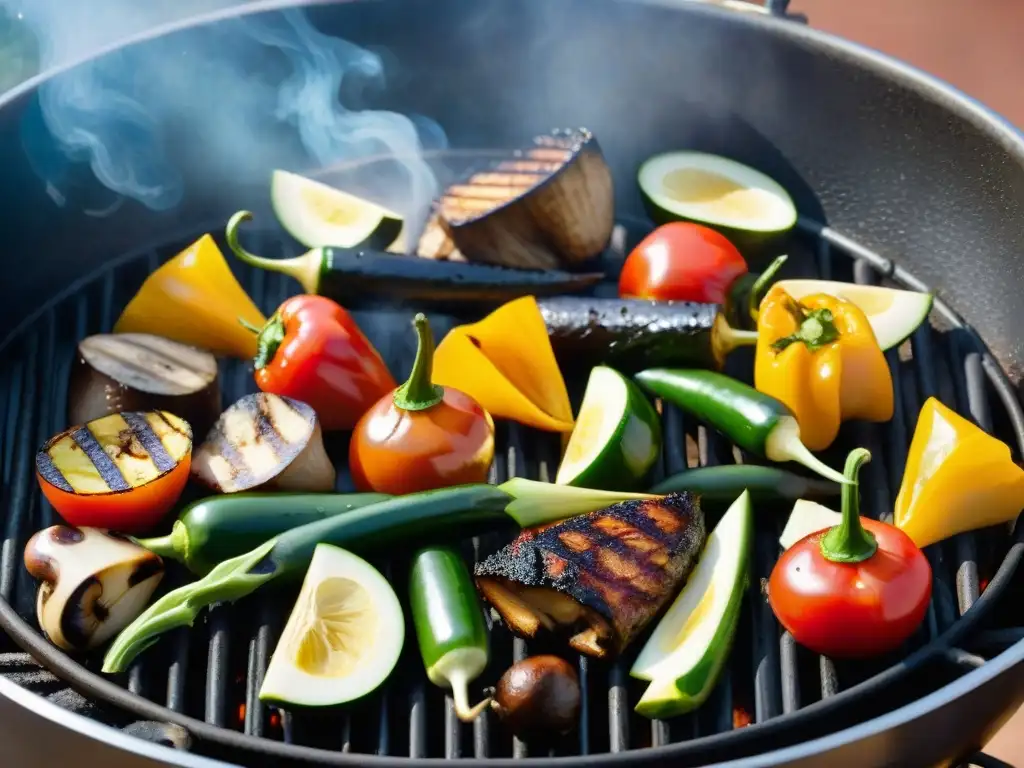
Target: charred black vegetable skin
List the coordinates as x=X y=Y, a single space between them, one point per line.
x=630 y=334
x=353 y=274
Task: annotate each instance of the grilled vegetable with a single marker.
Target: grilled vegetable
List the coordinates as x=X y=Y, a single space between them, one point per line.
x=746 y=206
x=958 y=478
x=597 y=578
x=217 y=528
x=265 y=442
x=721 y=484
x=93 y=584
x=346 y=274
x=858 y=589
x=806 y=518
x=632 y=334
x=752 y=420
x=343 y=637
x=538 y=698
x=617 y=436
x=317 y=215
x=124 y=471
x=893 y=314
x=506 y=364
x=195 y=299
x=547 y=205
x=449 y=624
x=414 y=518
x=313 y=351
x=136 y=372
x=422 y=435
x=685 y=655
x=435 y=244
x=535 y=502
x=819 y=357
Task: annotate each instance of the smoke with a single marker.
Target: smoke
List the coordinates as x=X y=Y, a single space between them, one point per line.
x=234 y=99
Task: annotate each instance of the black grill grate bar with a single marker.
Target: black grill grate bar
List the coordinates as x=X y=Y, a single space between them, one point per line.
x=261 y=645
x=177 y=671
x=217 y=665
x=418 y=721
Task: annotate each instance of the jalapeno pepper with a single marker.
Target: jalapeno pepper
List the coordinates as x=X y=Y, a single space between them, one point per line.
x=312 y=350
x=858 y=589
x=422 y=436
x=819 y=356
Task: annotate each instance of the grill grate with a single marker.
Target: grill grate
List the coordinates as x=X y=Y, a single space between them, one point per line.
x=213 y=672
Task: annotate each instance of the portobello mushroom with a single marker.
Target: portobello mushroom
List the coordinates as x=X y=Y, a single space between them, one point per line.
x=93 y=584
x=538 y=698
x=117 y=372
x=543 y=206
x=266 y=442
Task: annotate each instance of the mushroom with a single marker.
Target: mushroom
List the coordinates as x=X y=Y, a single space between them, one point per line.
x=94 y=583
x=538 y=698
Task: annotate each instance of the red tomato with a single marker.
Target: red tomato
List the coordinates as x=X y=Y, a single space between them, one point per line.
x=682 y=262
x=852 y=609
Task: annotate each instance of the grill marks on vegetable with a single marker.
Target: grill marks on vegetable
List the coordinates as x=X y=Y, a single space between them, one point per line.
x=115 y=453
x=599 y=577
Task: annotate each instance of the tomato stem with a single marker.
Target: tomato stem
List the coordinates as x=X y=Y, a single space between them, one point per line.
x=419 y=392
x=758 y=288
x=849 y=542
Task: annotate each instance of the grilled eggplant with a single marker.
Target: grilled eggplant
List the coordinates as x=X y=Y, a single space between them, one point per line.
x=597 y=579
x=267 y=442
x=545 y=205
x=434 y=242
x=632 y=334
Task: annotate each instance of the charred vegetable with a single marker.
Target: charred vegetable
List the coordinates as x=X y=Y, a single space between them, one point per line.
x=195 y=299
x=633 y=334
x=124 y=471
x=343 y=637
x=538 y=698
x=218 y=528
x=347 y=274
x=449 y=624
x=415 y=517
x=311 y=350
x=93 y=584
x=547 y=205
x=506 y=364
x=422 y=435
x=721 y=484
x=597 y=578
x=752 y=420
x=436 y=244
x=265 y=442
x=136 y=371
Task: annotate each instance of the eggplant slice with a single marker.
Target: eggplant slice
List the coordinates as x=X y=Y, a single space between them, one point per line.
x=597 y=578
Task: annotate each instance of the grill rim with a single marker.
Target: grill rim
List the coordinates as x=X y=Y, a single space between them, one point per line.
x=92 y=684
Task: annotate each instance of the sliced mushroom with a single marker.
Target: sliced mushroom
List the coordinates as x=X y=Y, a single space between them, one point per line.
x=94 y=584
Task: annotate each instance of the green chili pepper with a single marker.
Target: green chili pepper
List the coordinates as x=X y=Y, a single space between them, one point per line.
x=752 y=420
x=720 y=485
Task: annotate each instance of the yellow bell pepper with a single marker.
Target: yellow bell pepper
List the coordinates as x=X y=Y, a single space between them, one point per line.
x=195 y=299
x=819 y=356
x=506 y=363
x=958 y=478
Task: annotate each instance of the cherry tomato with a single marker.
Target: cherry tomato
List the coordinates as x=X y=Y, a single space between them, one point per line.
x=421 y=436
x=681 y=261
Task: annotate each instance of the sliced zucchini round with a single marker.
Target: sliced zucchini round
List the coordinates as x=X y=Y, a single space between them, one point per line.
x=616 y=438
x=893 y=314
x=743 y=204
x=343 y=637
x=318 y=215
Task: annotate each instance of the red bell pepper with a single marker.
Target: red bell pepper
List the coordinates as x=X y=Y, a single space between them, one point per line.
x=858 y=589
x=312 y=350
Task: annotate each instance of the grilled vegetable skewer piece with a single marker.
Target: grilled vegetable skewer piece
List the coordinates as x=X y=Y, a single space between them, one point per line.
x=633 y=334
x=124 y=471
x=117 y=372
x=598 y=578
x=414 y=517
x=752 y=420
x=449 y=625
x=344 y=274
x=265 y=442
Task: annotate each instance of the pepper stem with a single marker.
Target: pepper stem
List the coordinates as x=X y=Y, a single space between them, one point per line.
x=757 y=290
x=419 y=392
x=817 y=328
x=269 y=340
x=460 y=693
x=849 y=542
x=305 y=268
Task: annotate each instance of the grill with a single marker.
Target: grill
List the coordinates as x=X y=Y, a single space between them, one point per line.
x=196 y=690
